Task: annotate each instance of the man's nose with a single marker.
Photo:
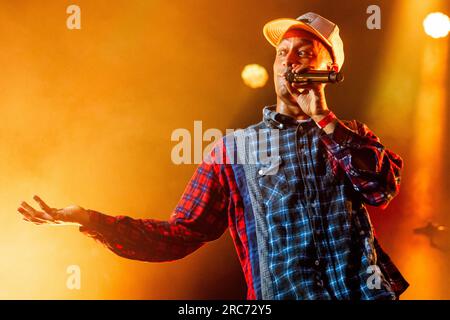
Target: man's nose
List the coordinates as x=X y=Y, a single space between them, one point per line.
x=291 y=60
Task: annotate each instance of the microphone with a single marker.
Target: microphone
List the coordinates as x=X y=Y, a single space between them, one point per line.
x=315 y=76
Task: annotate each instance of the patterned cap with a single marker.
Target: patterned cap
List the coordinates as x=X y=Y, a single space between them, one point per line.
x=324 y=29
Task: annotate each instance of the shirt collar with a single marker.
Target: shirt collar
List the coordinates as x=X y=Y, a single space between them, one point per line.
x=278 y=120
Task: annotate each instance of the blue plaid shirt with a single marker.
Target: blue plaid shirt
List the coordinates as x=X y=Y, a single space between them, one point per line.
x=314 y=230
x=318 y=230
x=299 y=221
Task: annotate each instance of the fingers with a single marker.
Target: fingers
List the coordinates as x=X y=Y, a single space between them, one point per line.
x=297 y=68
x=305 y=88
x=43 y=205
x=28 y=208
x=292 y=91
x=29 y=217
x=290 y=88
x=300 y=87
x=296 y=88
x=37 y=215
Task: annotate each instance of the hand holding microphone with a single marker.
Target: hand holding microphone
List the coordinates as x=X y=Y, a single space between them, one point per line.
x=306 y=87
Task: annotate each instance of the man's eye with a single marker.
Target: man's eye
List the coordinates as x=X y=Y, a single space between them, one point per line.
x=281 y=52
x=304 y=53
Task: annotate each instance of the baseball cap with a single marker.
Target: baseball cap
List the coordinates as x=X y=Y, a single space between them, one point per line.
x=324 y=29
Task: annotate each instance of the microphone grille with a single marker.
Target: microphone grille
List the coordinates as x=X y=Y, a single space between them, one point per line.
x=336 y=77
x=290 y=76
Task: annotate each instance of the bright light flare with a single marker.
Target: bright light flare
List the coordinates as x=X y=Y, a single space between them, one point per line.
x=254 y=76
x=436 y=25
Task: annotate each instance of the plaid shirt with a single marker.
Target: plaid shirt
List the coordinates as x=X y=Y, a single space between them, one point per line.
x=301 y=231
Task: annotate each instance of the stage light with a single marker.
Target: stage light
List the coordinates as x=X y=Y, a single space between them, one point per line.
x=254 y=76
x=436 y=25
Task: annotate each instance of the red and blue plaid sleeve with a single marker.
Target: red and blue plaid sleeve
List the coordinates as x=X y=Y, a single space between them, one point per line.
x=373 y=170
x=200 y=216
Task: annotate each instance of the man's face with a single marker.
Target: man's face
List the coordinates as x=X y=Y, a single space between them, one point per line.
x=303 y=51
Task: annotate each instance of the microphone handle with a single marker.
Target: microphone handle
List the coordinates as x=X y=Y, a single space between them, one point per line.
x=315 y=76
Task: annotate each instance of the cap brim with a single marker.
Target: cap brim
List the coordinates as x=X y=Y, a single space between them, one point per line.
x=274 y=30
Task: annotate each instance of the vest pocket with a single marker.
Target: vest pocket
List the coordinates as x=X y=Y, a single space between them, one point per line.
x=272 y=180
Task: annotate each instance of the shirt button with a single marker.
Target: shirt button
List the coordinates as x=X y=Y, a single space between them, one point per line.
x=320 y=283
x=261 y=172
x=317 y=232
x=362 y=232
x=316 y=262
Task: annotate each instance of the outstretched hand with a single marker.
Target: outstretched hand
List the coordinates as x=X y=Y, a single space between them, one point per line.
x=48 y=215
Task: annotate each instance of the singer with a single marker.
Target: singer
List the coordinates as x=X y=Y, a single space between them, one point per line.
x=301 y=231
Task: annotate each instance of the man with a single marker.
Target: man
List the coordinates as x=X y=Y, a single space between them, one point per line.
x=301 y=231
